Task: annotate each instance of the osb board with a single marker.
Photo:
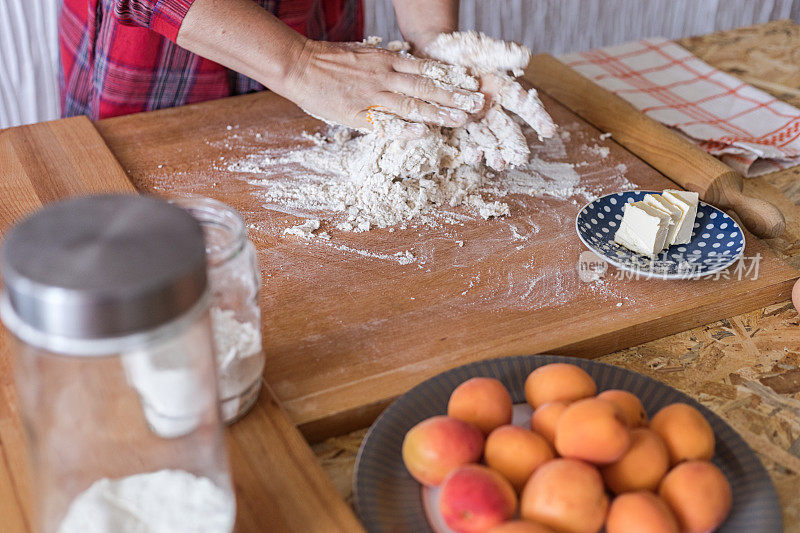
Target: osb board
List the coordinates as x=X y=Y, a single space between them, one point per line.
x=344 y=334
x=746 y=368
x=49 y=161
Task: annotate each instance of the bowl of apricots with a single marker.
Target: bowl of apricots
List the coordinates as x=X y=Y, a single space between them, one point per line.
x=553 y=444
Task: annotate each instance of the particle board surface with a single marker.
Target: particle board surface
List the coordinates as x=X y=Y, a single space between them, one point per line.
x=347 y=328
x=269 y=458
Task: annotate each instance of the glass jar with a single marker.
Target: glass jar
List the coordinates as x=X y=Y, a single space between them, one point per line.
x=107 y=299
x=235 y=284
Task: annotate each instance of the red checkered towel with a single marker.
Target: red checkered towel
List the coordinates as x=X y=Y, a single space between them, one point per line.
x=747 y=128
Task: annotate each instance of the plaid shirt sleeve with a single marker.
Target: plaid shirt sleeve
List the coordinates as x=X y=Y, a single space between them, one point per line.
x=120 y=56
x=161 y=16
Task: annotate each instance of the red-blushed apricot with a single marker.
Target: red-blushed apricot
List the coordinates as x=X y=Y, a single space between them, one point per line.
x=558 y=382
x=520 y=526
x=685 y=431
x=630 y=405
x=640 y=512
x=545 y=419
x=476 y=498
x=483 y=402
x=698 y=494
x=592 y=430
x=516 y=452
x=642 y=467
x=438 y=445
x=565 y=495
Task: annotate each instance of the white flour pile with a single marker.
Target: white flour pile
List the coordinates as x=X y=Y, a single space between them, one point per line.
x=158 y=502
x=401 y=171
x=235 y=342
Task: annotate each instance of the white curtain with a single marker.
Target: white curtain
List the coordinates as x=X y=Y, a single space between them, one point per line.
x=28 y=61
x=558 y=26
x=29 y=48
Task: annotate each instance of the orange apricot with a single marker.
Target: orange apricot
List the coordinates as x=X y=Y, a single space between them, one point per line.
x=516 y=452
x=558 y=382
x=592 y=430
x=545 y=419
x=630 y=405
x=685 y=431
x=565 y=495
x=642 y=467
x=640 y=512
x=699 y=495
x=483 y=402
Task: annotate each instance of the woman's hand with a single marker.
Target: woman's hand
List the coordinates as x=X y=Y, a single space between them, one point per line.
x=341 y=82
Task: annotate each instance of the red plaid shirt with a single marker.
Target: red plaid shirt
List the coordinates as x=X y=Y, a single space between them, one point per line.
x=120 y=56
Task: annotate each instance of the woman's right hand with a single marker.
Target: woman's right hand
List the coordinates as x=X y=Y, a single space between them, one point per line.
x=342 y=82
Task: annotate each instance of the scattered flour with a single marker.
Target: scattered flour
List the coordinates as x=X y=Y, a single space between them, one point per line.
x=600 y=151
x=304 y=230
x=340 y=173
x=158 y=502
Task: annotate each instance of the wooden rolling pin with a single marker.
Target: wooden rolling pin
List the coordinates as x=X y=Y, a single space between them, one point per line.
x=677 y=158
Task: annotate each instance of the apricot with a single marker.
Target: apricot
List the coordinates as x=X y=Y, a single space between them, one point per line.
x=642 y=467
x=483 y=402
x=566 y=495
x=592 y=430
x=438 y=445
x=558 y=382
x=520 y=526
x=630 y=405
x=476 y=498
x=545 y=418
x=515 y=452
x=698 y=494
x=685 y=431
x=640 y=512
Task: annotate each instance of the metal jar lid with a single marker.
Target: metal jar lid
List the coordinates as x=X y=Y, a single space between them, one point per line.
x=103 y=266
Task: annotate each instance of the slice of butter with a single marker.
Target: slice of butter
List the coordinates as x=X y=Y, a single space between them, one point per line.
x=686 y=201
x=643 y=229
x=658 y=201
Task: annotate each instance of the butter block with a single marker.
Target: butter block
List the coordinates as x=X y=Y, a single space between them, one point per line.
x=686 y=201
x=657 y=201
x=643 y=229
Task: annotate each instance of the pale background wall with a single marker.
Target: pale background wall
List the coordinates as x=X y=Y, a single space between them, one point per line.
x=558 y=26
x=29 y=52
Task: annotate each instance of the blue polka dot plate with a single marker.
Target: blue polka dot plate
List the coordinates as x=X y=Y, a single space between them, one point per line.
x=717 y=240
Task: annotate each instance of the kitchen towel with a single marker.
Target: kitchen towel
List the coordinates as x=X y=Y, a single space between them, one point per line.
x=745 y=127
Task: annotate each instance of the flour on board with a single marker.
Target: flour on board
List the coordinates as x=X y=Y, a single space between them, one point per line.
x=403 y=171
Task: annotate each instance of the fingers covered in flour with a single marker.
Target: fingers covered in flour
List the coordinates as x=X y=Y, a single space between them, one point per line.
x=416 y=110
x=448 y=75
x=390 y=125
x=511 y=141
x=424 y=88
x=487 y=143
x=512 y=96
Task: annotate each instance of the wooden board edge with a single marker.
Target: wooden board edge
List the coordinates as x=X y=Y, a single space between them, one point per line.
x=319 y=428
x=265 y=445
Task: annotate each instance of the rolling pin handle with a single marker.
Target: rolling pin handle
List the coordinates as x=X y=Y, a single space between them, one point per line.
x=760 y=217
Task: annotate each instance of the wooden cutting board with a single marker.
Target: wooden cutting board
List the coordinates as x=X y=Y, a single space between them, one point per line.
x=279 y=484
x=347 y=328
